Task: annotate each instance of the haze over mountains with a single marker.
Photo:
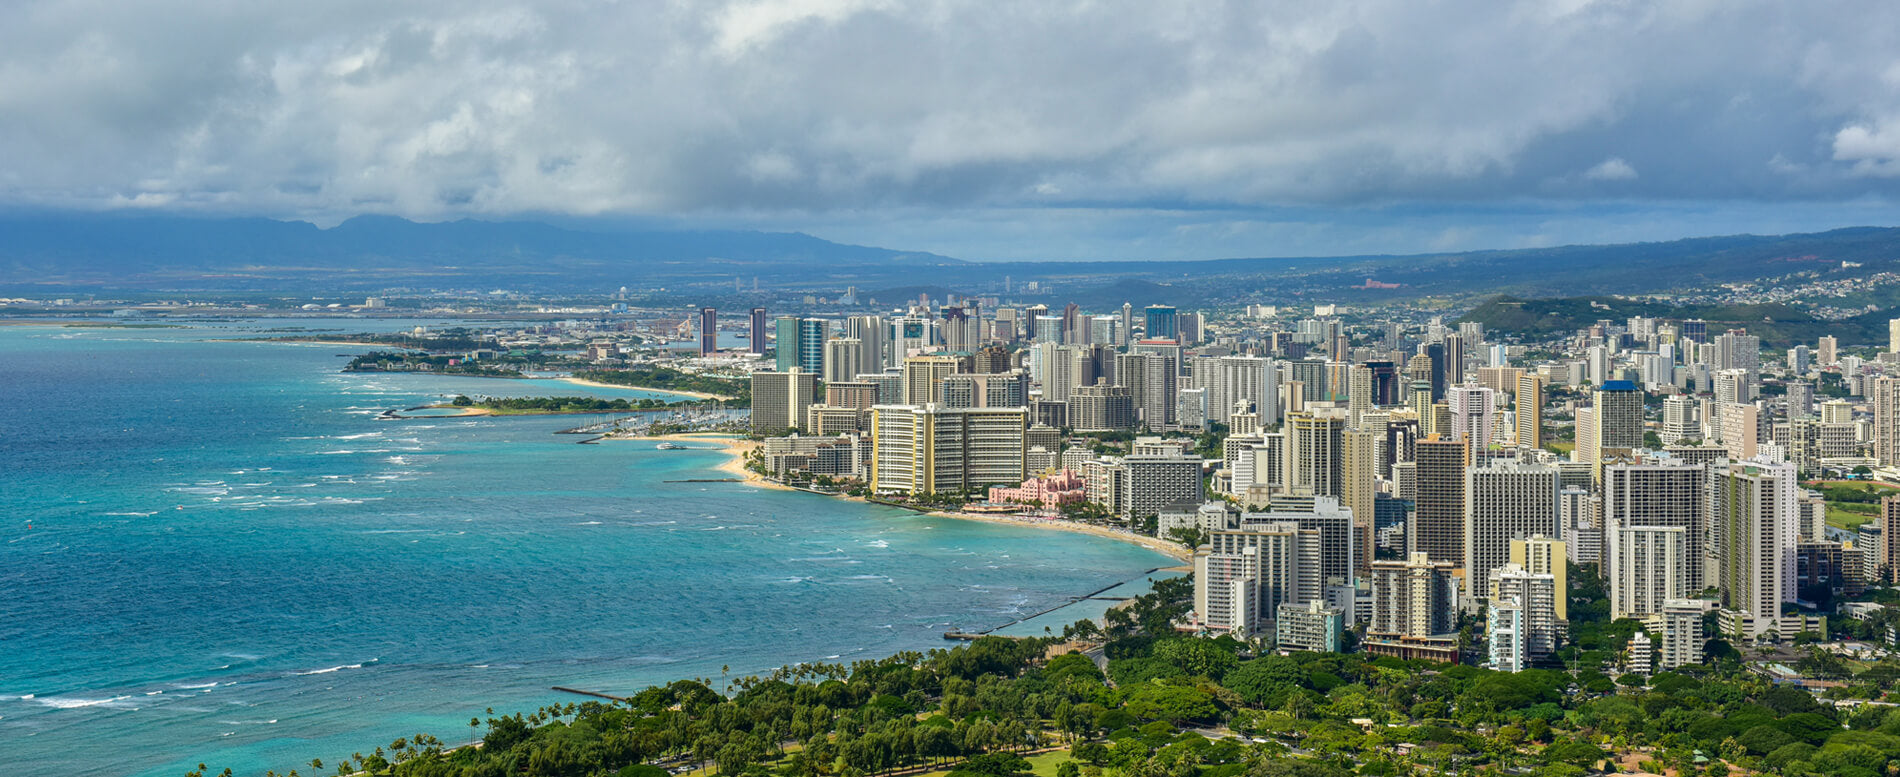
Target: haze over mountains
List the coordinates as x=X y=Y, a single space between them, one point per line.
x=168 y=253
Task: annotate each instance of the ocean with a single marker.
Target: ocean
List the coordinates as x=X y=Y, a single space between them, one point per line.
x=214 y=552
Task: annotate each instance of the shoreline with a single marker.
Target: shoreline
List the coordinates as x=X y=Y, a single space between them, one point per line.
x=1169 y=549
x=460 y=375
x=675 y=392
x=736 y=450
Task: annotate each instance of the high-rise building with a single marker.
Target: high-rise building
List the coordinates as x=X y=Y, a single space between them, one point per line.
x=1893 y=335
x=1359 y=488
x=923 y=377
x=1505 y=501
x=1756 y=524
x=1003 y=389
x=873 y=335
x=708 y=331
x=1438 y=519
x=1505 y=634
x=1161 y=323
x=1798 y=360
x=1313 y=454
x=1101 y=408
x=1242 y=577
x=1739 y=426
x=781 y=400
x=1581 y=513
x=1800 y=399
x=1884 y=395
x=1886 y=552
x=1530 y=629
x=801 y=344
x=1312 y=627
x=1679 y=420
x=1188 y=327
x=1454 y=362
x=1696 y=329
x=1647 y=566
x=1338 y=542
x=756 y=334
x=911 y=335
x=1151 y=378
x=1473 y=408
x=1529 y=402
x=1678 y=630
x=1157 y=481
x=930 y=449
x=1664 y=493
x=843 y=359
x=1619 y=415
x=1827 y=351
x=1546 y=556
x=1252 y=379
x=1359 y=396
x=1414 y=598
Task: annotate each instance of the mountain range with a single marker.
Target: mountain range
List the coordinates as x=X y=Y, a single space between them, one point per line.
x=169 y=253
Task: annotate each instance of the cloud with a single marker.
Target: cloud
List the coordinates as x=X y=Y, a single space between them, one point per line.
x=1873 y=150
x=811 y=111
x=1612 y=169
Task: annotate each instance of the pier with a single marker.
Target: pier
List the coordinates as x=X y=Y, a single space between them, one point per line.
x=598 y=426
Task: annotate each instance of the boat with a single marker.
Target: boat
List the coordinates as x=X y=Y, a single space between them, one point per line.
x=668 y=446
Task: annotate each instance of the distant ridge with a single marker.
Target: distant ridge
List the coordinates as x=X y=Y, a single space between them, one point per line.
x=167 y=253
x=88 y=248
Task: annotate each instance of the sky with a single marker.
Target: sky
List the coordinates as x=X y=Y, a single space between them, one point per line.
x=983 y=130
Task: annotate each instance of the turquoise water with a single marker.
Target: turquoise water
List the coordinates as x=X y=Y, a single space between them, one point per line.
x=213 y=551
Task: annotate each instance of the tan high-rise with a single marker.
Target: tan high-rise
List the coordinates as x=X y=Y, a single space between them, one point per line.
x=1529 y=400
x=1357 y=487
x=1885 y=397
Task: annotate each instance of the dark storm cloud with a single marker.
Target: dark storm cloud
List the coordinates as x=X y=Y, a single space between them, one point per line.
x=846 y=111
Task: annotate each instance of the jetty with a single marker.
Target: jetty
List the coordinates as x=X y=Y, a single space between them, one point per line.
x=595 y=694
x=972 y=636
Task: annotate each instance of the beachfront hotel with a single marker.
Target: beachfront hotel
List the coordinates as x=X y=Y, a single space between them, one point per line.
x=931 y=449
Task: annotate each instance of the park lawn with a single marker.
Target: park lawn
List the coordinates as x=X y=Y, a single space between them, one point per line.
x=1560 y=446
x=1044 y=764
x=1040 y=764
x=1843 y=519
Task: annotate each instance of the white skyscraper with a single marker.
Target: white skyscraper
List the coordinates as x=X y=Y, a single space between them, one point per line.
x=1679 y=419
x=1251 y=379
x=1473 y=414
x=1647 y=567
x=1242 y=577
x=1665 y=493
x=1531 y=629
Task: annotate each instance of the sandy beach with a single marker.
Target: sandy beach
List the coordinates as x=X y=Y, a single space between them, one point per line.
x=1172 y=550
x=598 y=384
x=734 y=465
x=736 y=451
